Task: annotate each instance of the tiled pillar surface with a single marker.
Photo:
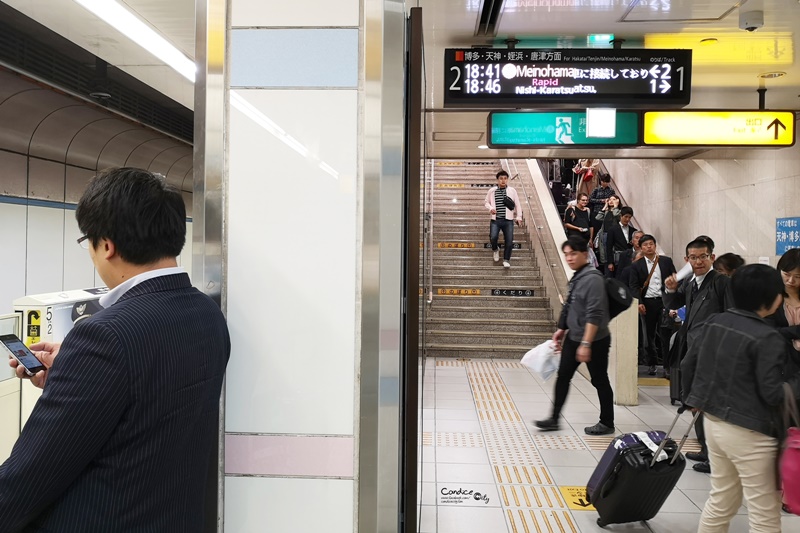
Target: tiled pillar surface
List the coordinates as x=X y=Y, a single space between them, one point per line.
x=292 y=265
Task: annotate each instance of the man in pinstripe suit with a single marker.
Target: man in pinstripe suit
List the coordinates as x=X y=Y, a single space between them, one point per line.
x=121 y=438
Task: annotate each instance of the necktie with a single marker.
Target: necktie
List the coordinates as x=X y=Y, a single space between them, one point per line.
x=695 y=288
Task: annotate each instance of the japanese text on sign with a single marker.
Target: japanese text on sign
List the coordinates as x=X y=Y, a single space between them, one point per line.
x=787 y=234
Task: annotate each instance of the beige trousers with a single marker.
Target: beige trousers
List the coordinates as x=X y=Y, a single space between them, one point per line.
x=742 y=463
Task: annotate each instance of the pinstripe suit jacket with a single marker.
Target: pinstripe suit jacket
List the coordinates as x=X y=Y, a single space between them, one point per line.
x=120 y=439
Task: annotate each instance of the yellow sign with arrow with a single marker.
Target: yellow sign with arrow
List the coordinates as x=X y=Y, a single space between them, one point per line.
x=719 y=128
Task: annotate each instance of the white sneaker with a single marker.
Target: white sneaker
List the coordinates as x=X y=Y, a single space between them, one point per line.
x=496 y=255
x=506 y=264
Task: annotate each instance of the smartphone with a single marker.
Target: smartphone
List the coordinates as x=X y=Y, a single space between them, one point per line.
x=22 y=354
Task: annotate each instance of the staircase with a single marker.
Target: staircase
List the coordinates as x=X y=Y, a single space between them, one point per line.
x=479 y=309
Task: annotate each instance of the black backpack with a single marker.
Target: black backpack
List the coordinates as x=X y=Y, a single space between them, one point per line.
x=619 y=297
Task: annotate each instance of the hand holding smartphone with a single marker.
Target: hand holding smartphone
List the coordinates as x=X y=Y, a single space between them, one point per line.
x=17 y=349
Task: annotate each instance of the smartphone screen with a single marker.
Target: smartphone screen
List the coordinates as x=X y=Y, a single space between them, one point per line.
x=22 y=354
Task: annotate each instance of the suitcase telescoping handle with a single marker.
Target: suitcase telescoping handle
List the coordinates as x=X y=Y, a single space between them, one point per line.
x=669 y=432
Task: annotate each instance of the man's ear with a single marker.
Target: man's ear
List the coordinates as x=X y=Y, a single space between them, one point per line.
x=107 y=249
x=775 y=305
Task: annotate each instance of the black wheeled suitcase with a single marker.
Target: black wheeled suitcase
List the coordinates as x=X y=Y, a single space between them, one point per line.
x=636 y=475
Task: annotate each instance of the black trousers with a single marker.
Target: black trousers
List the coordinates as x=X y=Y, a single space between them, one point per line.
x=598 y=370
x=652 y=321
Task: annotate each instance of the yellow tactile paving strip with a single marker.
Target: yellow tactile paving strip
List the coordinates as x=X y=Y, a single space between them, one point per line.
x=450 y=362
x=528 y=494
x=560 y=442
x=532 y=497
x=459 y=440
x=532 y=521
x=521 y=474
x=507 y=364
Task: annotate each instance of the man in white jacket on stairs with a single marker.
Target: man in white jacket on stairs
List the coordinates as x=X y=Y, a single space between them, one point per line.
x=504 y=207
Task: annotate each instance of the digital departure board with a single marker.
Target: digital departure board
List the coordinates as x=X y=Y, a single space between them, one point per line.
x=531 y=78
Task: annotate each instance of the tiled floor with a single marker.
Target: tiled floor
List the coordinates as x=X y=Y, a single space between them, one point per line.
x=484 y=468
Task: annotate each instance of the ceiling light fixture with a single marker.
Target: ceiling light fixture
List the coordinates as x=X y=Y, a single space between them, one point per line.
x=771 y=75
x=133 y=28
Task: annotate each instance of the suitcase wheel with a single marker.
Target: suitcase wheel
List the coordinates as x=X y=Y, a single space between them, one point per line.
x=601 y=523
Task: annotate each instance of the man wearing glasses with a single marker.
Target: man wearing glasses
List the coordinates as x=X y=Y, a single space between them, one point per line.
x=123 y=435
x=704 y=293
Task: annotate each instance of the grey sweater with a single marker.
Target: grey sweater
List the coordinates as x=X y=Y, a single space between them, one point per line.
x=588 y=304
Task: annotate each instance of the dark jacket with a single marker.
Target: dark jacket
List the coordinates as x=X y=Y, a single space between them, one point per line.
x=623 y=268
x=616 y=240
x=789 y=333
x=123 y=433
x=598 y=198
x=734 y=370
x=639 y=273
x=713 y=297
x=587 y=303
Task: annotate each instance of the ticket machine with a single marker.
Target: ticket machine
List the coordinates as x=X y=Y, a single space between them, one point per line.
x=49 y=317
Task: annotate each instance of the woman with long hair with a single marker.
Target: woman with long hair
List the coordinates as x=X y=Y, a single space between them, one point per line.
x=610 y=216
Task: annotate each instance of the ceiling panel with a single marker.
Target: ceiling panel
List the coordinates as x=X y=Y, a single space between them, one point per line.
x=173 y=19
x=725 y=74
x=681 y=10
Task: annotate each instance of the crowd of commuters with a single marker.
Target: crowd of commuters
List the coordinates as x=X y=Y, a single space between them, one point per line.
x=727 y=334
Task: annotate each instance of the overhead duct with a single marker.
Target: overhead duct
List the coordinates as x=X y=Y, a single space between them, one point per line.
x=58 y=62
x=46 y=126
x=489 y=18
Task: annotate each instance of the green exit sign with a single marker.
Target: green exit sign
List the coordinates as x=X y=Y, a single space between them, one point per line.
x=562 y=129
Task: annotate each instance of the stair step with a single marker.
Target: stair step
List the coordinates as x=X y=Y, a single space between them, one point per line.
x=469 y=312
x=484 y=270
x=486 y=337
x=477 y=352
x=501 y=324
x=498 y=273
x=538 y=302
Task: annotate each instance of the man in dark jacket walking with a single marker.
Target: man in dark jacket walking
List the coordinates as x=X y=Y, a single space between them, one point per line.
x=704 y=294
x=583 y=328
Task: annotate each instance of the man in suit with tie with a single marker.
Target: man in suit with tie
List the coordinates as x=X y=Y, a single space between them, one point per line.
x=619 y=241
x=704 y=293
x=646 y=282
x=122 y=436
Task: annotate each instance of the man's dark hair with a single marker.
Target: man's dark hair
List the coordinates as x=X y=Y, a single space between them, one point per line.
x=578 y=244
x=501 y=173
x=729 y=262
x=138 y=211
x=755 y=287
x=701 y=241
x=789 y=260
x=581 y=195
x=605 y=178
x=646 y=237
x=626 y=211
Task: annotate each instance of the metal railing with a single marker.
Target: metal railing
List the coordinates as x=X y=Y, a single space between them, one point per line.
x=509 y=163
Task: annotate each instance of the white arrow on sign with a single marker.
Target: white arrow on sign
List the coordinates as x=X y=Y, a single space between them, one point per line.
x=655 y=71
x=664 y=86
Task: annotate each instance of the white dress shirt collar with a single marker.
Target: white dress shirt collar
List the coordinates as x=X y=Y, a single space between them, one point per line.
x=699 y=279
x=111 y=297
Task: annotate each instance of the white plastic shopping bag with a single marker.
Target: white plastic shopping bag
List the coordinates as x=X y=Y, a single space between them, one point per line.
x=542 y=359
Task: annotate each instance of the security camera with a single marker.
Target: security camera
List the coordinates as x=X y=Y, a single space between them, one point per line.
x=751 y=21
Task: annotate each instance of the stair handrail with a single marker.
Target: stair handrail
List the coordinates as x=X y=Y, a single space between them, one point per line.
x=428 y=233
x=556 y=285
